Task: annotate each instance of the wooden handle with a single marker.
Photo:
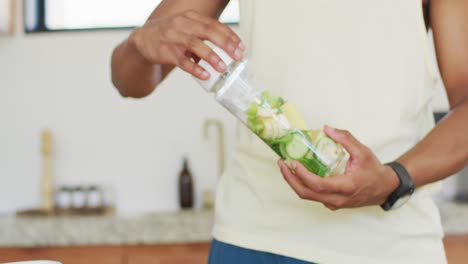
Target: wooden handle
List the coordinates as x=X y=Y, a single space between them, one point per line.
x=46 y=142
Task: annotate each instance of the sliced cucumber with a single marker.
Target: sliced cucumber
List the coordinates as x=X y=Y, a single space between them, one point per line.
x=283 y=151
x=297 y=147
x=314 y=165
x=327 y=150
x=276 y=148
x=286 y=139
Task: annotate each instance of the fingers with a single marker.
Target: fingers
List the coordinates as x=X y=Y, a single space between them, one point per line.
x=304 y=192
x=186 y=64
x=190 y=31
x=339 y=185
x=218 y=33
x=202 y=51
x=345 y=138
x=179 y=40
x=293 y=181
x=194 y=47
x=194 y=44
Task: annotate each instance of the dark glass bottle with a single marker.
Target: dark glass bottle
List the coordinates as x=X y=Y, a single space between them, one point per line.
x=185 y=187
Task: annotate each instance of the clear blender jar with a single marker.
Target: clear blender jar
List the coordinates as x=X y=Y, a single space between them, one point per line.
x=277 y=122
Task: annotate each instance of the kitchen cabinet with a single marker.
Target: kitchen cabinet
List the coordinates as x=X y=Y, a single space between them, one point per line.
x=147 y=254
x=180 y=254
x=456 y=247
x=66 y=255
x=6 y=16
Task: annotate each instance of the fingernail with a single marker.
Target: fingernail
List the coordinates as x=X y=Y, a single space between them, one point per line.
x=205 y=75
x=294 y=165
x=221 y=65
x=238 y=54
x=241 y=46
x=231 y=48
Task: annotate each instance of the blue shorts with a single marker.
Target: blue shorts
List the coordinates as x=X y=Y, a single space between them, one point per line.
x=222 y=253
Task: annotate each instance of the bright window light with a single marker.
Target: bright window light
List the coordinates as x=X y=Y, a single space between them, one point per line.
x=88 y=14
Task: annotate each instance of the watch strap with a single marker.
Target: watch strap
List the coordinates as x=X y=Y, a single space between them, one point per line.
x=406 y=186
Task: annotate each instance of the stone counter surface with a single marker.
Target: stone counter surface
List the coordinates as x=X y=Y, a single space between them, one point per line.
x=161 y=228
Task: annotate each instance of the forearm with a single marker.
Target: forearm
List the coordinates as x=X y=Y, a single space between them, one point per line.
x=443 y=152
x=172 y=36
x=132 y=74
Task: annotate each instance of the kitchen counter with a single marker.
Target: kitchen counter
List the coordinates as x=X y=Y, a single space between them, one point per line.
x=160 y=228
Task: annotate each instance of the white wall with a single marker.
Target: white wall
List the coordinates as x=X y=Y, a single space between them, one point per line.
x=61 y=81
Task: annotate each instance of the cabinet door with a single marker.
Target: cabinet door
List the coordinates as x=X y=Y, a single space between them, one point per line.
x=456 y=248
x=65 y=255
x=168 y=254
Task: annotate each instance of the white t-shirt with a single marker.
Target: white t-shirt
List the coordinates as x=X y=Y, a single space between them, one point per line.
x=360 y=65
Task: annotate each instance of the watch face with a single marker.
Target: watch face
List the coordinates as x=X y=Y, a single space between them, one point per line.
x=400 y=202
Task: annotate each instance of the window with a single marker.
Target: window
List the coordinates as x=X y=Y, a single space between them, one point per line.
x=59 y=15
x=6 y=16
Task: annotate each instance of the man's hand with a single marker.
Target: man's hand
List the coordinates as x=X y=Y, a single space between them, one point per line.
x=366 y=180
x=178 y=40
x=172 y=36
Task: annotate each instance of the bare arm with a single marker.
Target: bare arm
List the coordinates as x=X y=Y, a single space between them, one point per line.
x=444 y=150
x=172 y=36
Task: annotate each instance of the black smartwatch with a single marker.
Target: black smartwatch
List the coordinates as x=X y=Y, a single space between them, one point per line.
x=402 y=194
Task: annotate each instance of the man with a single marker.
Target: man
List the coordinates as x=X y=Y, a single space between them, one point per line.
x=362 y=65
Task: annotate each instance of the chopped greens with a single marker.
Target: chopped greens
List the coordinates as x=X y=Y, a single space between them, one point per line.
x=280 y=125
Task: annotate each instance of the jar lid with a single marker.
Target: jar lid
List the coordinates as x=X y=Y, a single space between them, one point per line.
x=208 y=85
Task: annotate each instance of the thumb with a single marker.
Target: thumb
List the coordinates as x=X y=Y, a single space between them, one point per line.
x=346 y=139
